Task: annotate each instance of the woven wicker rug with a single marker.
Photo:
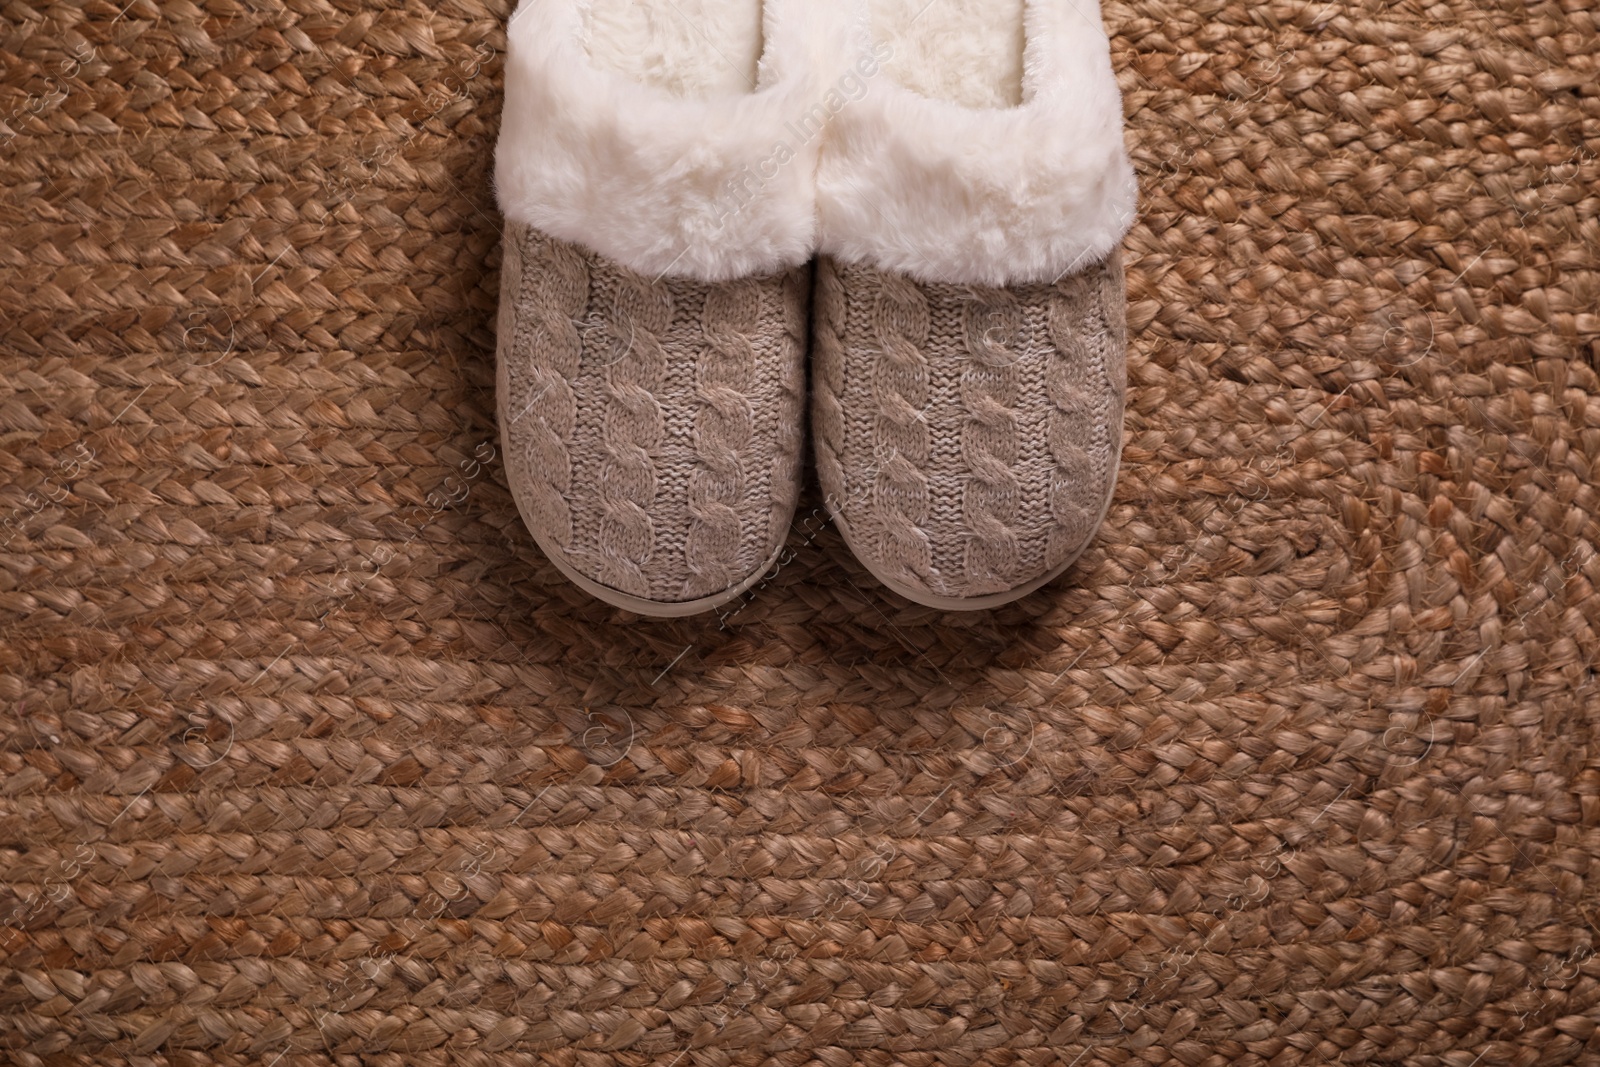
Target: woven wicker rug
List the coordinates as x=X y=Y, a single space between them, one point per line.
x=308 y=756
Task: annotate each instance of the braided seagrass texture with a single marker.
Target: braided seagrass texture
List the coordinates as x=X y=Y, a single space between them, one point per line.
x=652 y=427
x=307 y=755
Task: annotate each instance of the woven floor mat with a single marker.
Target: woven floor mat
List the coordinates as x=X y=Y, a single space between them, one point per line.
x=307 y=755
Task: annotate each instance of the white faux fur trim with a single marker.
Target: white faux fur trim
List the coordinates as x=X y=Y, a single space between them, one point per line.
x=712 y=187
x=986 y=196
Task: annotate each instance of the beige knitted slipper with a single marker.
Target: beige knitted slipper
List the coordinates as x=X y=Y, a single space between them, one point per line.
x=970 y=308
x=654 y=290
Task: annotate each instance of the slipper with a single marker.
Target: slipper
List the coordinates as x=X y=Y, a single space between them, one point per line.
x=970 y=308
x=659 y=204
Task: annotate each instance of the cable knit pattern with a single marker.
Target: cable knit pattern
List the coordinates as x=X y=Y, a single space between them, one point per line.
x=795 y=302
x=829 y=332
x=967 y=436
x=899 y=387
x=634 y=424
x=1086 y=379
x=723 y=428
x=551 y=283
x=993 y=332
x=657 y=453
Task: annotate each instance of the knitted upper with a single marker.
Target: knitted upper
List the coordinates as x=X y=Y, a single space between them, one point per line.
x=652 y=428
x=968 y=437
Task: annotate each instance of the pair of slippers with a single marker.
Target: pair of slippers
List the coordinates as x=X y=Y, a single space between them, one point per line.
x=926 y=197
